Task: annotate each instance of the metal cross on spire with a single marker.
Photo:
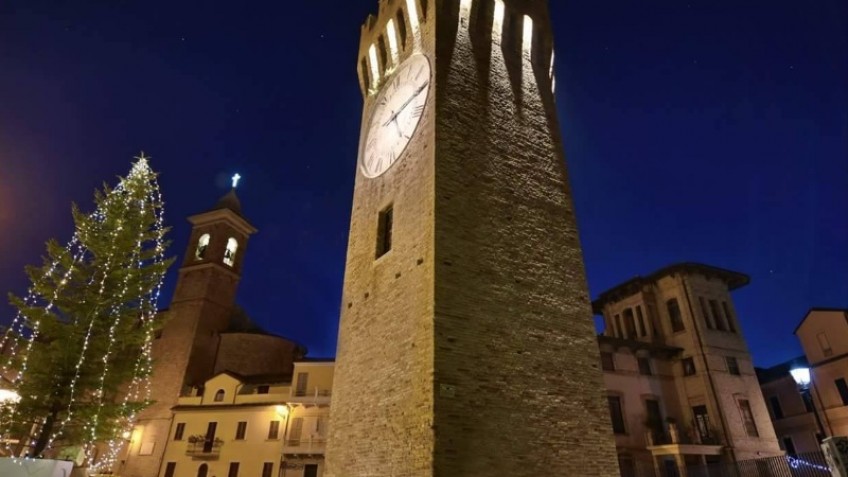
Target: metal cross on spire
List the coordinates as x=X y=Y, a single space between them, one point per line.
x=236 y=179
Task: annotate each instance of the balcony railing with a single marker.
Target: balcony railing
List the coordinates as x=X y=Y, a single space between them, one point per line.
x=305 y=446
x=204 y=449
x=313 y=393
x=671 y=434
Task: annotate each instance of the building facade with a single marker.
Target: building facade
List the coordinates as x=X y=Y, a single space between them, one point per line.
x=466 y=341
x=200 y=338
x=681 y=385
x=814 y=405
x=791 y=411
x=823 y=334
x=262 y=426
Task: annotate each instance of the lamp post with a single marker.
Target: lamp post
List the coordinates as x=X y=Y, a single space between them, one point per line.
x=803 y=379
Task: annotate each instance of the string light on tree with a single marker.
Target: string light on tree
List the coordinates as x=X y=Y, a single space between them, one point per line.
x=82 y=338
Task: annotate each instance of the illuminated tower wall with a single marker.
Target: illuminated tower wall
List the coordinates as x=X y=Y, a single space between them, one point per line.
x=468 y=349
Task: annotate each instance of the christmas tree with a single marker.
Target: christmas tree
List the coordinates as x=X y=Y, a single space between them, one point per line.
x=80 y=343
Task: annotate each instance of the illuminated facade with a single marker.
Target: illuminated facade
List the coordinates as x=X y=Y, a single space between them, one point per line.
x=681 y=385
x=812 y=404
x=205 y=333
x=262 y=426
x=466 y=341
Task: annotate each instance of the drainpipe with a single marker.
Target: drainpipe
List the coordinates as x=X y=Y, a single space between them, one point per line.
x=712 y=386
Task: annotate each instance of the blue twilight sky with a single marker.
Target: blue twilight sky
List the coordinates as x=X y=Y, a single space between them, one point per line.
x=702 y=130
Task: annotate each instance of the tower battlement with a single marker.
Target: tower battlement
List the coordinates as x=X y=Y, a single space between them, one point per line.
x=519 y=29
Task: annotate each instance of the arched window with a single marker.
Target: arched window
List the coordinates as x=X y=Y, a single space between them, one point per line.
x=230 y=252
x=219 y=396
x=366 y=78
x=202 y=470
x=202 y=245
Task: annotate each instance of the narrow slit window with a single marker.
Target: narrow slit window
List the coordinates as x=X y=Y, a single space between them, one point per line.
x=366 y=78
x=674 y=315
x=424 y=9
x=393 y=42
x=730 y=325
x=384 y=231
x=528 y=35
x=375 y=66
x=401 y=27
x=384 y=58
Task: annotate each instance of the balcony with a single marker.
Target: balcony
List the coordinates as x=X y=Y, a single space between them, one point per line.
x=669 y=440
x=204 y=449
x=311 y=397
x=305 y=447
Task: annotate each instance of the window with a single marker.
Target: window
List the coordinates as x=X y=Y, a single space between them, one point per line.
x=267 y=469
x=719 y=321
x=789 y=446
x=702 y=423
x=674 y=315
x=302 y=384
x=274 y=430
x=219 y=396
x=393 y=41
x=263 y=389
x=401 y=27
x=202 y=245
x=170 y=468
x=234 y=468
x=241 y=430
x=295 y=431
x=843 y=390
x=381 y=46
x=424 y=9
x=384 y=231
x=616 y=414
x=366 y=78
x=776 y=410
x=748 y=418
x=732 y=365
x=619 y=331
x=630 y=323
x=202 y=470
x=310 y=470
x=178 y=433
x=706 y=314
x=644 y=366
x=607 y=362
x=729 y=316
x=230 y=252
x=688 y=366
x=642 y=330
x=824 y=343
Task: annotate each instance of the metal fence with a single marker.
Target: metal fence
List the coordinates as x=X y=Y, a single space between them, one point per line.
x=805 y=465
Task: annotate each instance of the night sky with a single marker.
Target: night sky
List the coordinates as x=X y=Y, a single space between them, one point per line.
x=708 y=130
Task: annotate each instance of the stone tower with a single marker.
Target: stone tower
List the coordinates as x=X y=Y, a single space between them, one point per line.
x=466 y=343
x=184 y=352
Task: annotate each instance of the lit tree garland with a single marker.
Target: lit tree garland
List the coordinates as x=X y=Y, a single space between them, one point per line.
x=82 y=338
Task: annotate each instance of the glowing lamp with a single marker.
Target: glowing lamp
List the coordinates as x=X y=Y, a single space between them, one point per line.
x=283 y=411
x=126 y=435
x=801 y=376
x=7 y=396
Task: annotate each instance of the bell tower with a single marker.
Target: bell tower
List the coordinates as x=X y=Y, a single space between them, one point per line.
x=466 y=341
x=184 y=351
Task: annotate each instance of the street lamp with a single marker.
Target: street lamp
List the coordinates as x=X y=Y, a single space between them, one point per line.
x=804 y=380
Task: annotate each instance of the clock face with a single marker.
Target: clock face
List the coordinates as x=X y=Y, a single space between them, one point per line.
x=397 y=112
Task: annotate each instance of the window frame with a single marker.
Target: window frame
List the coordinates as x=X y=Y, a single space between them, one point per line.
x=732 y=364
x=644 y=364
x=842 y=389
x=675 y=315
x=241 y=430
x=749 y=422
x=689 y=367
x=610 y=365
x=273 y=430
x=179 y=431
x=619 y=427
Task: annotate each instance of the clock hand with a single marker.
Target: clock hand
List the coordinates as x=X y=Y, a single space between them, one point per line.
x=407 y=103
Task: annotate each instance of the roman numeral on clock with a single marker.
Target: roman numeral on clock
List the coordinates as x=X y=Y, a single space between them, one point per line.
x=418 y=111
